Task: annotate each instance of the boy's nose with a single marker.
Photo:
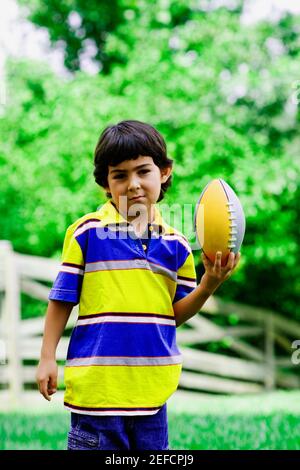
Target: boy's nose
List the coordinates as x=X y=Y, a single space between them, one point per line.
x=133 y=183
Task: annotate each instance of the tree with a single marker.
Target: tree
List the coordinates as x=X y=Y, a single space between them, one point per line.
x=224 y=103
x=74 y=24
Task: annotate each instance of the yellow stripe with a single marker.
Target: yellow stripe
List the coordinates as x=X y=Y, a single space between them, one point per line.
x=71 y=252
x=118 y=386
x=133 y=291
x=188 y=269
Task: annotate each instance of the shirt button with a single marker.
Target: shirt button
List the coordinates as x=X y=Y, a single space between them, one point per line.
x=145 y=247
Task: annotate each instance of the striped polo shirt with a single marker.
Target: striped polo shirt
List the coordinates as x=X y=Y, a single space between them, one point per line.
x=122 y=357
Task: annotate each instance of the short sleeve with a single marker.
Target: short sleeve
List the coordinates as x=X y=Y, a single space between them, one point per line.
x=186 y=277
x=68 y=283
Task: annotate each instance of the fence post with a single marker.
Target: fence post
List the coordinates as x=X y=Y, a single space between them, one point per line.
x=10 y=321
x=270 y=378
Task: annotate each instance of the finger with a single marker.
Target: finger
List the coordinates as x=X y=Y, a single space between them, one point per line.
x=52 y=385
x=237 y=259
x=44 y=392
x=230 y=261
x=43 y=386
x=218 y=260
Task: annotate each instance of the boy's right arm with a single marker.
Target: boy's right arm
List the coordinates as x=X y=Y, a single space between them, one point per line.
x=56 y=319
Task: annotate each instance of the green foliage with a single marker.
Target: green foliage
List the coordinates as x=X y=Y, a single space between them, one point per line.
x=46 y=160
x=222 y=100
x=97 y=18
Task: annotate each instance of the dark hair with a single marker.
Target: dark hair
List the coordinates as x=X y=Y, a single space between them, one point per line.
x=128 y=140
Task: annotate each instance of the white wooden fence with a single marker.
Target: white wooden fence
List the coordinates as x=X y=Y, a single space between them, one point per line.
x=246 y=368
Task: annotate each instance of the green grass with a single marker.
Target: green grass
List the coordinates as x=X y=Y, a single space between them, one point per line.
x=267 y=421
x=41 y=432
x=233 y=432
x=22 y=431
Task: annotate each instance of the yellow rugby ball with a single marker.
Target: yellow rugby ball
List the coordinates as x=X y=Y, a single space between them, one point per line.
x=219 y=220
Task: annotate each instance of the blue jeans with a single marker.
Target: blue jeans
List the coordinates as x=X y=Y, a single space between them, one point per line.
x=144 y=432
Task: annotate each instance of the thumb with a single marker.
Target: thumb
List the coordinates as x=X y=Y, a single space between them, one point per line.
x=52 y=384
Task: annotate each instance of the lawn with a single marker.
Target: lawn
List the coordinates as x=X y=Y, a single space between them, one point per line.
x=267 y=421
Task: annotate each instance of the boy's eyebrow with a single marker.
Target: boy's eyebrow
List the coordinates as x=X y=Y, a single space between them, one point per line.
x=136 y=168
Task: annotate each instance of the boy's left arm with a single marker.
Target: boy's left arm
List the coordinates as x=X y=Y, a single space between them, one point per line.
x=213 y=277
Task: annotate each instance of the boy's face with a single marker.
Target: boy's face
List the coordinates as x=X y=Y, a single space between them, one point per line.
x=136 y=183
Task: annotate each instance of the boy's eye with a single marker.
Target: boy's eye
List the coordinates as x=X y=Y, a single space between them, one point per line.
x=119 y=176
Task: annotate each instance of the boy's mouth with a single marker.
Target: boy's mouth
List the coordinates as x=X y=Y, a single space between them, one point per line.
x=136 y=198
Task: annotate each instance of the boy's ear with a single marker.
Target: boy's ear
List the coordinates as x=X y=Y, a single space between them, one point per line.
x=165 y=173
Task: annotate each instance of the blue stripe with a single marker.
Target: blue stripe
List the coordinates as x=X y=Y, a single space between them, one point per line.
x=64 y=296
x=181 y=292
x=66 y=287
x=123 y=339
x=161 y=252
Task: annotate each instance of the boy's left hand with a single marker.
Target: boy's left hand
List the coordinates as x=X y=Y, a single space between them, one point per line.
x=215 y=274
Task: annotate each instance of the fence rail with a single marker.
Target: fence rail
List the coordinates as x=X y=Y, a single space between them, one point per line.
x=244 y=369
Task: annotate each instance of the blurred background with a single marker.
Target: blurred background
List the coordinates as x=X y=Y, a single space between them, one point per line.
x=220 y=80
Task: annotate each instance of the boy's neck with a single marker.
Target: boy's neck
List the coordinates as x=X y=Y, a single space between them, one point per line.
x=139 y=222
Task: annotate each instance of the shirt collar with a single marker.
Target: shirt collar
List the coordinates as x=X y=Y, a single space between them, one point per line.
x=111 y=216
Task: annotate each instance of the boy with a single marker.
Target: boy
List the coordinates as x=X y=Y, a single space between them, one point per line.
x=135 y=281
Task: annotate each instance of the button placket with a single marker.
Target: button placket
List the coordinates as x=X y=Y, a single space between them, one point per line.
x=142 y=262
x=137 y=246
x=143 y=252
x=142 y=248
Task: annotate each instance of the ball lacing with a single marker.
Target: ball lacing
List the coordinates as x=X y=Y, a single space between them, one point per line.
x=232 y=225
